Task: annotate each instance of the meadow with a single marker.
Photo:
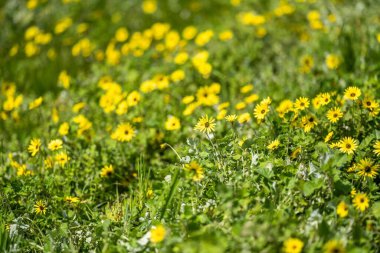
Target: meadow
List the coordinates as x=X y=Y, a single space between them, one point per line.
x=190 y=126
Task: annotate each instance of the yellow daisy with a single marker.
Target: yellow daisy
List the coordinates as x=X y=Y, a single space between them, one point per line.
x=55 y=144
x=123 y=133
x=352 y=93
x=196 y=170
x=40 y=207
x=361 y=201
x=157 y=234
x=342 y=209
x=367 y=168
x=205 y=124
x=261 y=110
x=301 y=103
x=376 y=148
x=293 y=245
x=334 y=246
x=334 y=114
x=172 y=123
x=274 y=145
x=106 y=171
x=348 y=145
x=34 y=146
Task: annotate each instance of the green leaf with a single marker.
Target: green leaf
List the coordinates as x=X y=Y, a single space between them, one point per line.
x=376 y=209
x=310 y=186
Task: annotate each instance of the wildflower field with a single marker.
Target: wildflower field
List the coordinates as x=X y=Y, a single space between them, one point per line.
x=194 y=126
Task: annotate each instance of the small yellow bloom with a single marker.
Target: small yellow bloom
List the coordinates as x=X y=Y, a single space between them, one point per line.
x=34 y=146
x=72 y=200
x=352 y=93
x=55 y=144
x=40 y=207
x=205 y=124
x=157 y=234
x=342 y=209
x=62 y=158
x=172 y=123
x=274 y=145
x=293 y=245
x=35 y=103
x=332 y=61
x=361 y=201
x=149 y=6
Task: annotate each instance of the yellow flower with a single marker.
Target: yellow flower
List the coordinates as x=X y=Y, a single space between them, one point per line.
x=63 y=25
x=348 y=145
x=334 y=246
x=246 y=88
x=307 y=63
x=226 y=35
x=204 y=37
x=274 y=145
x=62 y=158
x=32 y=4
x=369 y=103
x=189 y=32
x=172 y=123
x=207 y=96
x=157 y=234
x=252 y=98
x=376 y=148
x=177 y=75
x=188 y=99
x=133 y=98
x=231 y=118
x=205 y=124
x=245 y=117
x=49 y=162
x=342 y=209
x=71 y=200
x=240 y=106
x=235 y=2
x=301 y=103
x=40 y=207
x=78 y=106
x=352 y=93
x=293 y=245
x=367 y=168
x=332 y=61
x=308 y=122
x=31 y=49
x=121 y=34
x=35 y=103
x=55 y=144
x=334 y=114
x=295 y=153
x=195 y=169
x=261 y=110
x=64 y=128
x=181 y=58
x=123 y=133
x=149 y=6
x=328 y=136
x=361 y=201
x=34 y=146
x=106 y=171
x=325 y=98
x=221 y=114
